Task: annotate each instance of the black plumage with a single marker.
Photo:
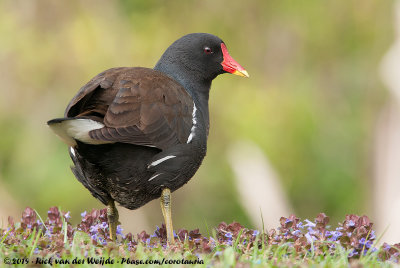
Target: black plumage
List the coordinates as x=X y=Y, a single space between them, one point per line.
x=136 y=134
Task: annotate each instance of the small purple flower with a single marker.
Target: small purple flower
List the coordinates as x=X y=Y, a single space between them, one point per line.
x=104 y=225
x=310 y=238
x=255 y=233
x=288 y=220
x=352 y=253
x=94 y=236
x=372 y=235
x=368 y=244
x=335 y=235
x=296 y=233
x=36 y=251
x=300 y=225
x=49 y=231
x=119 y=230
x=83 y=214
x=175 y=235
x=386 y=246
x=67 y=215
x=228 y=235
x=309 y=223
x=312 y=231
x=94 y=228
x=351 y=223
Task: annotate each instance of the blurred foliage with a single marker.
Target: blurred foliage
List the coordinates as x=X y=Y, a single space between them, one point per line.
x=310 y=104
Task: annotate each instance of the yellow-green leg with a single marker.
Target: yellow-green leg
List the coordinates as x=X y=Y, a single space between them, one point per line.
x=112 y=216
x=166 y=210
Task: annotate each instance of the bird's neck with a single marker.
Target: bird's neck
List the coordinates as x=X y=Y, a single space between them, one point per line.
x=198 y=88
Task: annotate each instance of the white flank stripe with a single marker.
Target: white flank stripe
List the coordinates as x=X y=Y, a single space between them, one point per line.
x=194 y=123
x=155 y=163
x=154 y=176
x=72 y=151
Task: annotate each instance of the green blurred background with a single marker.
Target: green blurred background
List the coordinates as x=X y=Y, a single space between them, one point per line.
x=310 y=104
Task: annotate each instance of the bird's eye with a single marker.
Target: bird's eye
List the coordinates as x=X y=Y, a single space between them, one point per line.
x=208 y=50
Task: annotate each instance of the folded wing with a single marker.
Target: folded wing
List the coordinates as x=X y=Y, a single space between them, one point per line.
x=131 y=105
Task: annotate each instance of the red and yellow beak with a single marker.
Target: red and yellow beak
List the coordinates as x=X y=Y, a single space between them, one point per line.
x=230 y=65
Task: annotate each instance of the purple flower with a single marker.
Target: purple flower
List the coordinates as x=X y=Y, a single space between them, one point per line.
x=94 y=228
x=335 y=235
x=94 y=236
x=350 y=223
x=83 y=214
x=386 y=246
x=372 y=235
x=368 y=244
x=352 y=253
x=310 y=238
x=104 y=225
x=67 y=215
x=309 y=223
x=119 y=230
x=255 y=233
x=228 y=235
x=296 y=233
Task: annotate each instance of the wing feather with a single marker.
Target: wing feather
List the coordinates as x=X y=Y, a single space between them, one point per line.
x=137 y=105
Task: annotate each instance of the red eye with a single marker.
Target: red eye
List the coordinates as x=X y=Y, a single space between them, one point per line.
x=208 y=50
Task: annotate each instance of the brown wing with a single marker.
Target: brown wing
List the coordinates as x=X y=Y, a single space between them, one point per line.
x=136 y=105
x=94 y=98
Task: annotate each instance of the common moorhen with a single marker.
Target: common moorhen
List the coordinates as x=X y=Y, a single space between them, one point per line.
x=135 y=134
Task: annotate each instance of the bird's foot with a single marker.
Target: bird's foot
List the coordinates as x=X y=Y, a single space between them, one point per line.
x=112 y=216
x=166 y=210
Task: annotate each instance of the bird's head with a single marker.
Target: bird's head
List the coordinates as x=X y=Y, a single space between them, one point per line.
x=200 y=55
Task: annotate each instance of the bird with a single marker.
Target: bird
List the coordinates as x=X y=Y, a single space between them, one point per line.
x=136 y=134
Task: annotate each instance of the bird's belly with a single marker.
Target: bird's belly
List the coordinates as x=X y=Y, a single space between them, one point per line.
x=119 y=171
